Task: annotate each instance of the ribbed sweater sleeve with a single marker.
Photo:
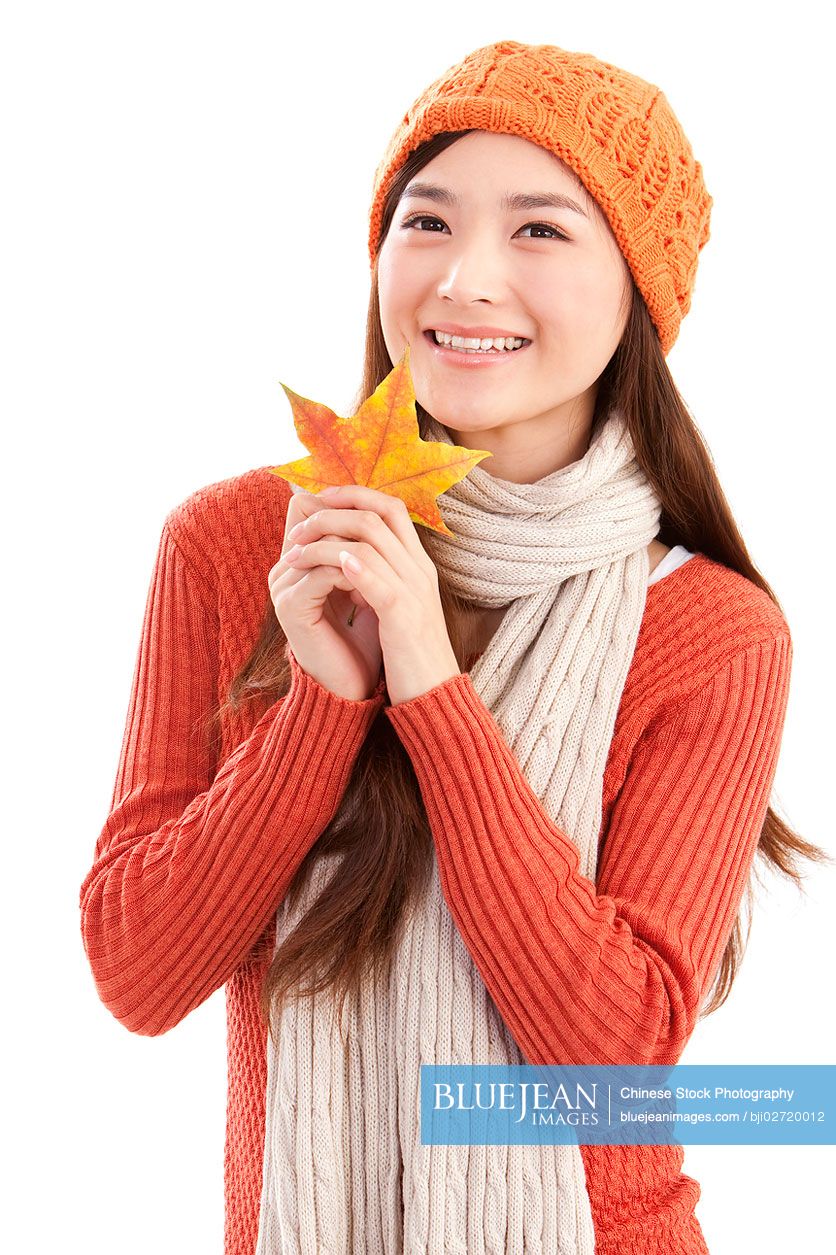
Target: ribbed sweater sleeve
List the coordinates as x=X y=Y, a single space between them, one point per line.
x=193 y=862
x=616 y=971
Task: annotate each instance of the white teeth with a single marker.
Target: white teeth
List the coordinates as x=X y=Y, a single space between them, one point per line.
x=482 y=345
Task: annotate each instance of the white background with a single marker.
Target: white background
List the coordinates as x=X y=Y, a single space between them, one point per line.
x=183 y=226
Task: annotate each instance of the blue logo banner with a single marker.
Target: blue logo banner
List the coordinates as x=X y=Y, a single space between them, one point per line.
x=607 y=1105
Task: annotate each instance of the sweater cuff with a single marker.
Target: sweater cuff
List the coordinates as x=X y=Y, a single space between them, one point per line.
x=318 y=703
x=424 y=724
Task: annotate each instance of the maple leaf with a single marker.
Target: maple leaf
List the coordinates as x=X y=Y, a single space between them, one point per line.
x=379 y=447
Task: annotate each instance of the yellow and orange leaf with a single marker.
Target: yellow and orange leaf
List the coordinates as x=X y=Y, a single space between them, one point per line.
x=379 y=447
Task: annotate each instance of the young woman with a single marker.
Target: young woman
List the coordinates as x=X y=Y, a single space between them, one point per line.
x=508 y=814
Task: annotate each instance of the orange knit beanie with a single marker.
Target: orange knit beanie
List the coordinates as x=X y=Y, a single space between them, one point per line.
x=617 y=132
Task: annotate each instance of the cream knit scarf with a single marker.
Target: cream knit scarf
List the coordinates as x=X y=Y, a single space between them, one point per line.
x=344 y=1168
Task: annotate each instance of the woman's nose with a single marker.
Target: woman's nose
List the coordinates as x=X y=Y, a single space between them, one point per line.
x=472 y=273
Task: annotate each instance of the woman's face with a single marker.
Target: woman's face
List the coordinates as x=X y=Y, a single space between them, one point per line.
x=550 y=274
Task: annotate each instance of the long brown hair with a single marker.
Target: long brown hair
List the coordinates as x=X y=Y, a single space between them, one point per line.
x=381 y=828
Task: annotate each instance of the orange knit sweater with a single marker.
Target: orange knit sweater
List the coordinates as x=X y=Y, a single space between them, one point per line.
x=201 y=844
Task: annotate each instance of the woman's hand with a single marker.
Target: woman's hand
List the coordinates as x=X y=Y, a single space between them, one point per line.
x=396 y=585
x=313 y=604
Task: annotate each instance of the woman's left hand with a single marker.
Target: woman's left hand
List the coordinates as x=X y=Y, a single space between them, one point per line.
x=397 y=579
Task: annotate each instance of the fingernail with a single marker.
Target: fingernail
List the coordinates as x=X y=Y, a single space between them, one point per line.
x=350 y=561
x=329 y=492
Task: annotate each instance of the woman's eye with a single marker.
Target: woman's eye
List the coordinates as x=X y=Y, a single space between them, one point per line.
x=420 y=218
x=544 y=226
x=534 y=226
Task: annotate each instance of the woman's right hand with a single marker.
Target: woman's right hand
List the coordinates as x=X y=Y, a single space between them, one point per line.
x=313 y=606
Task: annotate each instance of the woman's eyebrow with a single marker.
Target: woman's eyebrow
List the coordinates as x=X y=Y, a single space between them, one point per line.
x=512 y=201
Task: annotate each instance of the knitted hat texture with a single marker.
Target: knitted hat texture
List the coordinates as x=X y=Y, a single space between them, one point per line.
x=616 y=131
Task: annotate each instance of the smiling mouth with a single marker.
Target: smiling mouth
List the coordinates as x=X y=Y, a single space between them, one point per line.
x=471 y=352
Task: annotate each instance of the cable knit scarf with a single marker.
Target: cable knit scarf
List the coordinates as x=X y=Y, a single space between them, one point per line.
x=344 y=1167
